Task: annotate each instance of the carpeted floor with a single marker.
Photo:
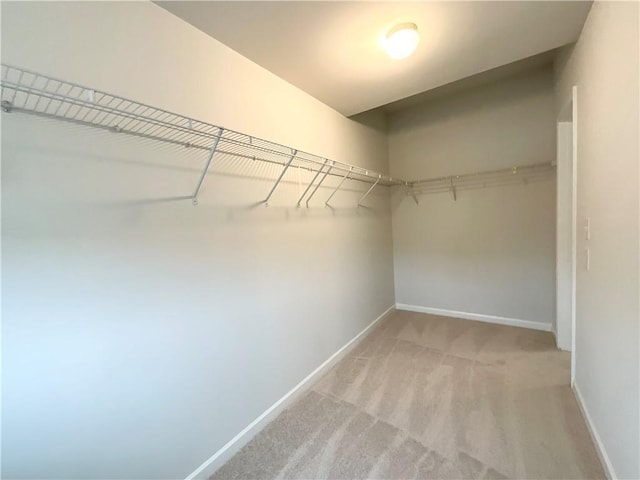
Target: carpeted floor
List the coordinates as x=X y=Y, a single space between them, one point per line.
x=432 y=398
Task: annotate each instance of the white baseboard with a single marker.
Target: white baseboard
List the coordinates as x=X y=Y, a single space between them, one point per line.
x=602 y=452
x=480 y=317
x=241 y=439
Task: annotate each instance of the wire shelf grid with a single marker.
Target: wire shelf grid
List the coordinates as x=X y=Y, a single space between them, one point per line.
x=34 y=93
x=30 y=92
x=492 y=178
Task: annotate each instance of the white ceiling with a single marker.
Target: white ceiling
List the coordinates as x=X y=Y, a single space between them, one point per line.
x=331 y=49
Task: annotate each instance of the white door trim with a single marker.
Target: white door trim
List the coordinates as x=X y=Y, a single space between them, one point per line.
x=574 y=221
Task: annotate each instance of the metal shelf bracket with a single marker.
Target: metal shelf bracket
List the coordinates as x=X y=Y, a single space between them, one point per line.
x=311 y=183
x=279 y=179
x=319 y=183
x=369 y=191
x=412 y=192
x=345 y=177
x=194 y=198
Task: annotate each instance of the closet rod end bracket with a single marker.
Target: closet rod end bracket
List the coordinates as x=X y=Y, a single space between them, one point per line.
x=7 y=106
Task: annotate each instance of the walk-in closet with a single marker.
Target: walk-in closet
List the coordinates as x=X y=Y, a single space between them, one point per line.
x=320 y=240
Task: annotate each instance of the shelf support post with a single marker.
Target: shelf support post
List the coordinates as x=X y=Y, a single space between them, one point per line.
x=346 y=175
x=284 y=170
x=194 y=198
x=412 y=192
x=453 y=190
x=311 y=183
x=369 y=191
x=319 y=183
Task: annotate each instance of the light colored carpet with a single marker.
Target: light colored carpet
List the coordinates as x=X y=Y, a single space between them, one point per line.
x=428 y=397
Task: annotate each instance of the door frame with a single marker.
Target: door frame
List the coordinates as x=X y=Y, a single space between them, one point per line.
x=569 y=179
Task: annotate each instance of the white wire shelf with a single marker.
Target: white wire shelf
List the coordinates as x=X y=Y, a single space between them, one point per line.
x=490 y=178
x=33 y=93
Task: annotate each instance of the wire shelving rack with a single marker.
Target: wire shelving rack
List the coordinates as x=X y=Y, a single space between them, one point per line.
x=34 y=93
x=489 y=178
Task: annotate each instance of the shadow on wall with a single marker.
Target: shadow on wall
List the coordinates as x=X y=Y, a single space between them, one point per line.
x=106 y=170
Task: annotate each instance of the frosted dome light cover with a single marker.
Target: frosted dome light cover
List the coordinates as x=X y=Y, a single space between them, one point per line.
x=402 y=40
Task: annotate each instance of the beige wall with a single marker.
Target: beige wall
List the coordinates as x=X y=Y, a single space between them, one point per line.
x=141 y=333
x=604 y=65
x=491 y=252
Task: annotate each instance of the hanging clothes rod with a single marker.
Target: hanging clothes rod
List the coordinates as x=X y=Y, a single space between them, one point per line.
x=33 y=93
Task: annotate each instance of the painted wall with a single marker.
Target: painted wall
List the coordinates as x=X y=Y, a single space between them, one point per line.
x=141 y=333
x=604 y=65
x=491 y=252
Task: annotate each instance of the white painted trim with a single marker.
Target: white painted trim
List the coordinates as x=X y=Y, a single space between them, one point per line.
x=574 y=226
x=565 y=234
x=480 y=317
x=241 y=439
x=602 y=452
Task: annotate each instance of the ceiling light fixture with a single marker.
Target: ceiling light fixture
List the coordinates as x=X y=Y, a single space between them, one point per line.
x=401 y=40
